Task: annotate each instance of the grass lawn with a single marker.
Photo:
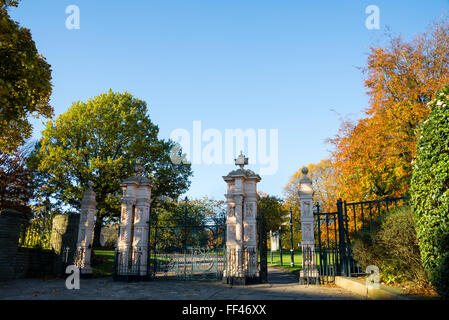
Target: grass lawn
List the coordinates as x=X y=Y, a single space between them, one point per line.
x=286 y=259
x=104 y=269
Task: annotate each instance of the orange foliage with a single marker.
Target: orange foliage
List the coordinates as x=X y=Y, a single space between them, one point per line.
x=323 y=184
x=373 y=157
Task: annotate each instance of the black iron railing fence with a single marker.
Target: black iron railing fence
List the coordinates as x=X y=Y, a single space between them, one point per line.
x=359 y=214
x=127 y=266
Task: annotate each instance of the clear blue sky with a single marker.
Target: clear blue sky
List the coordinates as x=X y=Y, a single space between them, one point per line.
x=260 y=64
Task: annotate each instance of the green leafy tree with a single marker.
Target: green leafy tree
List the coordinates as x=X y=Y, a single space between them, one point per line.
x=198 y=222
x=430 y=192
x=272 y=209
x=101 y=140
x=25 y=81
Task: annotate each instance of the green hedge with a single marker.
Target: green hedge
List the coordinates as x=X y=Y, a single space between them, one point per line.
x=390 y=243
x=430 y=192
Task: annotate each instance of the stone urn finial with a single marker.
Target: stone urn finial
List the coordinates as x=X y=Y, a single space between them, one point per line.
x=241 y=160
x=139 y=169
x=90 y=184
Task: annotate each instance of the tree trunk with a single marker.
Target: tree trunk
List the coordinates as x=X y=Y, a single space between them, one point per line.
x=97 y=232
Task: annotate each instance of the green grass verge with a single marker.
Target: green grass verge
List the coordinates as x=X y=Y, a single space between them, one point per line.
x=286 y=260
x=104 y=269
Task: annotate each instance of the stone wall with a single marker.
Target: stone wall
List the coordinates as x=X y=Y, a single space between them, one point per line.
x=10 y=222
x=34 y=262
x=18 y=262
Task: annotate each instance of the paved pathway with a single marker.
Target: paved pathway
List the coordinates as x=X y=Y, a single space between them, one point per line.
x=282 y=285
x=280 y=276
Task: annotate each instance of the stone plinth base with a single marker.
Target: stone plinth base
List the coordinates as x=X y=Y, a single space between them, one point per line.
x=309 y=277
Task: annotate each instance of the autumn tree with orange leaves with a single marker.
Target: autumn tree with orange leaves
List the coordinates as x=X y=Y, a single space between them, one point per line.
x=373 y=157
x=323 y=184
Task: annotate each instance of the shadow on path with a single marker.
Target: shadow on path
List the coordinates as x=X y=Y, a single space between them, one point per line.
x=281 y=276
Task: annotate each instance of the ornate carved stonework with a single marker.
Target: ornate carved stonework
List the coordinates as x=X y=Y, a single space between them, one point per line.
x=307 y=208
x=241 y=199
x=85 y=231
x=136 y=203
x=249 y=230
x=249 y=211
x=307 y=231
x=231 y=211
x=307 y=227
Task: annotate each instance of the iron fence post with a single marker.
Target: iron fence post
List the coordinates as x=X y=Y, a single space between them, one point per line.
x=341 y=235
x=280 y=245
x=318 y=215
x=185 y=240
x=292 y=256
x=260 y=246
x=348 y=243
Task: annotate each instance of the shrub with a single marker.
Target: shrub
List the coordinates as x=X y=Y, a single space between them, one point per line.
x=430 y=192
x=365 y=247
x=390 y=242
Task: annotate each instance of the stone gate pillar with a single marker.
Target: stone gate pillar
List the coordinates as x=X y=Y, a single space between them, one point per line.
x=241 y=223
x=132 y=244
x=309 y=270
x=86 y=231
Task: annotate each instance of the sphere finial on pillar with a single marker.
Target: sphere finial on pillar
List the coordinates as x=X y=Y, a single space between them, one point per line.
x=305 y=178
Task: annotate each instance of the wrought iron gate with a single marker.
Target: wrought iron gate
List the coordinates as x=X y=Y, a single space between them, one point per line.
x=186 y=249
x=333 y=234
x=180 y=246
x=263 y=248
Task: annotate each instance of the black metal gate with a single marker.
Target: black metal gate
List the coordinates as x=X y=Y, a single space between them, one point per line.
x=333 y=234
x=181 y=246
x=263 y=248
x=186 y=249
x=328 y=250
